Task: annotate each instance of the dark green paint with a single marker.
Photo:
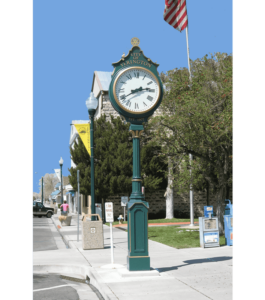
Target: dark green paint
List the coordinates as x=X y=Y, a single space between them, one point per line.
x=127 y=62
x=138 y=264
x=137 y=215
x=138 y=257
x=61 y=184
x=91 y=117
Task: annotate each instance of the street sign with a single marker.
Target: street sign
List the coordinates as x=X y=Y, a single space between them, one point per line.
x=109 y=212
x=124 y=200
x=109 y=218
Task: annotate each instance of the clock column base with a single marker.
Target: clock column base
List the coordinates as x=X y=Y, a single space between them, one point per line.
x=138 y=263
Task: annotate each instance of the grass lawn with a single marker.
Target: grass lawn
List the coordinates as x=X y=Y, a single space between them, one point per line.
x=174 y=236
x=160 y=221
x=177 y=237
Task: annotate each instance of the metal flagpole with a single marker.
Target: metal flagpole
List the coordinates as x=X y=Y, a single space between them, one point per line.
x=190 y=155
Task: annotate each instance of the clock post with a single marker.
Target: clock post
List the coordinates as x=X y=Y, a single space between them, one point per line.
x=138 y=257
x=135 y=92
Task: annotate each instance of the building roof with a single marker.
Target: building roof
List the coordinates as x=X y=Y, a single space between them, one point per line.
x=65 y=182
x=55 y=193
x=103 y=80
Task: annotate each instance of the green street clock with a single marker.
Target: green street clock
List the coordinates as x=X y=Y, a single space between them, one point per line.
x=135 y=90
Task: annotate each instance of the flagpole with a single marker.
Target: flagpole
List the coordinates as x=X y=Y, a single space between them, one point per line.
x=188 y=49
x=190 y=155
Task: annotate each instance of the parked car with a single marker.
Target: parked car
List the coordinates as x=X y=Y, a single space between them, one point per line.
x=40 y=210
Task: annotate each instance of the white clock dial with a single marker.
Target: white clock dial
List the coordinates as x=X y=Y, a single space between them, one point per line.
x=136 y=90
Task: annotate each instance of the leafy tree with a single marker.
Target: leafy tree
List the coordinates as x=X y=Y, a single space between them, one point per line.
x=197 y=119
x=113 y=161
x=36 y=195
x=49 y=183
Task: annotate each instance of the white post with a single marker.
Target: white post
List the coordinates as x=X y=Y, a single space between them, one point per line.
x=190 y=155
x=78 y=207
x=111 y=244
x=124 y=213
x=191 y=199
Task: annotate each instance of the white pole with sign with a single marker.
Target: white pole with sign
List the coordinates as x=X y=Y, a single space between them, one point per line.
x=109 y=219
x=124 y=201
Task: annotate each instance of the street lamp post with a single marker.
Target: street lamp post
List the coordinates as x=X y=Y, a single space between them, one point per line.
x=61 y=165
x=92 y=104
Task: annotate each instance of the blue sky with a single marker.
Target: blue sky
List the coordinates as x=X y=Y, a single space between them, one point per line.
x=72 y=39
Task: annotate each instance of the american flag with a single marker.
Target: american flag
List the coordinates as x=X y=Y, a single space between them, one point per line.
x=175 y=14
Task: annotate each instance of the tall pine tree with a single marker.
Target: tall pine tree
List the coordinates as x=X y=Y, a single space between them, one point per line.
x=113 y=161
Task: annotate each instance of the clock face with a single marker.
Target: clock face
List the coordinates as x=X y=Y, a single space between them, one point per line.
x=136 y=90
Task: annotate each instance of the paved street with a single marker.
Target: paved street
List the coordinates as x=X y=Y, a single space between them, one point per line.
x=42 y=234
x=53 y=287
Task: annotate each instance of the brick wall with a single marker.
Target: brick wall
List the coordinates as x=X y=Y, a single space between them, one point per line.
x=107 y=108
x=157 y=204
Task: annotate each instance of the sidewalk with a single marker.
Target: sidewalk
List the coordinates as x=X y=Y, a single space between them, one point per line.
x=192 y=273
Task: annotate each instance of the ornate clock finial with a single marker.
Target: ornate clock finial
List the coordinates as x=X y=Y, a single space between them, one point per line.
x=135 y=41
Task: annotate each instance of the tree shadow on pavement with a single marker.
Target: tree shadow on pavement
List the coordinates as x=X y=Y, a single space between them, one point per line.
x=195 y=261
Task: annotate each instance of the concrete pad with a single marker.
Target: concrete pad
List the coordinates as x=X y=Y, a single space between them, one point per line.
x=124 y=272
x=155 y=289
x=112 y=266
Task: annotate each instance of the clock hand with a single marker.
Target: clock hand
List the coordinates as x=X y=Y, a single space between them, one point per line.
x=141 y=89
x=132 y=92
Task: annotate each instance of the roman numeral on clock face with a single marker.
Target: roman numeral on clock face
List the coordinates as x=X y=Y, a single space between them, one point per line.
x=121 y=90
x=123 y=82
x=136 y=105
x=149 y=82
x=122 y=97
x=128 y=103
x=152 y=90
x=129 y=76
x=149 y=98
x=136 y=74
x=144 y=77
x=144 y=104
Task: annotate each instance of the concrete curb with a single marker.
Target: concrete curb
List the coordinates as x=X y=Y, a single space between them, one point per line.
x=65 y=240
x=85 y=271
x=95 y=278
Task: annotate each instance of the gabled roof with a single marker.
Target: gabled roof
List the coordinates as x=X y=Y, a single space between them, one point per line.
x=103 y=80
